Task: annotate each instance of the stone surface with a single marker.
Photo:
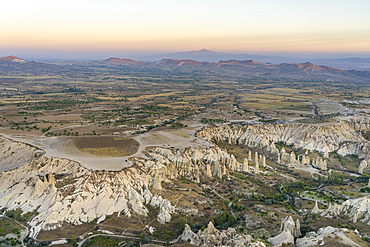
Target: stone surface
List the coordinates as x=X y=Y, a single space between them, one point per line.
x=14 y=154
x=343 y=137
x=357 y=209
x=213 y=237
x=318 y=239
x=78 y=195
x=285 y=237
x=315 y=209
x=294 y=227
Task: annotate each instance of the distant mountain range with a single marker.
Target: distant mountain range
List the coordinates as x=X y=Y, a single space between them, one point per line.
x=205 y=55
x=284 y=71
x=346 y=63
x=236 y=68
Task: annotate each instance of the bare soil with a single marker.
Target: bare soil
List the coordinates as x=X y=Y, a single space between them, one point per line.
x=107 y=145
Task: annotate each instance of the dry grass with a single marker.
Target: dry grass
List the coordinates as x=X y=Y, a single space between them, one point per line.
x=104 y=152
x=107 y=146
x=7 y=225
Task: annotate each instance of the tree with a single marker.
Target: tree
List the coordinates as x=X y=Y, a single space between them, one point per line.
x=232 y=220
x=15 y=231
x=74 y=241
x=183 y=221
x=142 y=236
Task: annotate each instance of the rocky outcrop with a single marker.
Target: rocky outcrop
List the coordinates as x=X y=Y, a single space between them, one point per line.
x=305 y=160
x=361 y=149
x=293 y=227
x=213 y=237
x=343 y=137
x=15 y=154
x=61 y=190
x=324 y=138
x=320 y=164
x=192 y=163
x=364 y=164
x=245 y=165
x=357 y=209
x=285 y=237
x=315 y=209
x=318 y=239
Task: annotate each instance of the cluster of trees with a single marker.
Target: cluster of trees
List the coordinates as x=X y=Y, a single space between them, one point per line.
x=364 y=178
x=277 y=198
x=177 y=125
x=331 y=179
x=14 y=214
x=66 y=134
x=46 y=129
x=213 y=121
x=225 y=219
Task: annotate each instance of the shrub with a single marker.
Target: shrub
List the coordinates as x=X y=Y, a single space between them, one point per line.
x=313 y=216
x=74 y=241
x=183 y=221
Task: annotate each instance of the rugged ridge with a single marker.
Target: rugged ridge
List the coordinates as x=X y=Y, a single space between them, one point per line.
x=14 y=154
x=62 y=190
x=343 y=137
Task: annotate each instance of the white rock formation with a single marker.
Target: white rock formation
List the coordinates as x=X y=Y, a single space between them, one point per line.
x=213 y=237
x=317 y=239
x=285 y=237
x=293 y=227
x=344 y=137
x=357 y=209
x=78 y=195
x=64 y=191
x=324 y=138
x=364 y=164
x=245 y=166
x=256 y=158
x=315 y=209
x=15 y=154
x=191 y=163
x=320 y=163
x=305 y=160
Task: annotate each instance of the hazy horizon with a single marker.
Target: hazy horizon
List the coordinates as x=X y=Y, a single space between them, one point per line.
x=146 y=56
x=91 y=30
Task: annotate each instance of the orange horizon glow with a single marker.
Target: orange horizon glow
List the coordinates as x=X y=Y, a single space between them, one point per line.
x=168 y=26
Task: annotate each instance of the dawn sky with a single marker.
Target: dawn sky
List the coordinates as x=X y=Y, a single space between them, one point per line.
x=97 y=29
